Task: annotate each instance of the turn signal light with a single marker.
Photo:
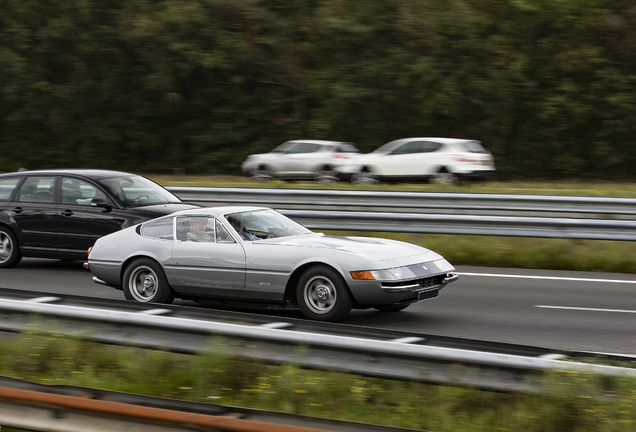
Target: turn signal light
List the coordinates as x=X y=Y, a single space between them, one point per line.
x=362 y=275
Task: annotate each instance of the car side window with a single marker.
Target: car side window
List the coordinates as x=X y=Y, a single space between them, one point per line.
x=195 y=229
x=158 y=229
x=79 y=192
x=304 y=148
x=403 y=149
x=429 y=146
x=37 y=190
x=7 y=186
x=222 y=235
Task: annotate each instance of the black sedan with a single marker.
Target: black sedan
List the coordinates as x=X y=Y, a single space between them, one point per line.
x=60 y=213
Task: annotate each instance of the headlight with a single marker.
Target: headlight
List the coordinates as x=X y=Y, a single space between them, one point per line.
x=396 y=273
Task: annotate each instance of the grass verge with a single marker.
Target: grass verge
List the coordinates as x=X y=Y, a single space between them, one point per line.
x=572 y=402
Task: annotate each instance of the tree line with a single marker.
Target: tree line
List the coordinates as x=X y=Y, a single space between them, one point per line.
x=151 y=86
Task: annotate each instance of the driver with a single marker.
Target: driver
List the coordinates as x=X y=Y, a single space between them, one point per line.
x=236 y=220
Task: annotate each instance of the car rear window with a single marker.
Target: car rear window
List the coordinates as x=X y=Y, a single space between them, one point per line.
x=7 y=186
x=474 y=147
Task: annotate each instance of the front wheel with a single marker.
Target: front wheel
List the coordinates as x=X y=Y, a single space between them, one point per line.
x=364 y=178
x=323 y=295
x=146 y=282
x=10 y=254
x=326 y=175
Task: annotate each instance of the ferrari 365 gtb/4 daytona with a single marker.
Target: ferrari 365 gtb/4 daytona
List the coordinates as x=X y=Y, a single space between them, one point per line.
x=255 y=254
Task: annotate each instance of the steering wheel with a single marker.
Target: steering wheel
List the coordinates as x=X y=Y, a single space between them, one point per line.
x=277 y=231
x=146 y=198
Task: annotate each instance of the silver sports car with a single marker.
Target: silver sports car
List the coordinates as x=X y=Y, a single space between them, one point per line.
x=255 y=254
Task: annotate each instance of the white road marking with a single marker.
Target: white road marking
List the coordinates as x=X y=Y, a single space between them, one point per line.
x=586 y=309
x=550 y=278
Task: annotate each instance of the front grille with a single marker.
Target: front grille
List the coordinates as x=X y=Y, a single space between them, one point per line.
x=414 y=284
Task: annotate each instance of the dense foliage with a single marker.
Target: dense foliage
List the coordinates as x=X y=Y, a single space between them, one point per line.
x=196 y=85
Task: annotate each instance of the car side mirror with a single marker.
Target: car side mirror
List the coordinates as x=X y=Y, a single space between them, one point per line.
x=101 y=202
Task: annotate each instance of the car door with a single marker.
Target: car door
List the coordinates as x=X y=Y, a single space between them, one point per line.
x=209 y=265
x=399 y=162
x=35 y=216
x=80 y=223
x=302 y=160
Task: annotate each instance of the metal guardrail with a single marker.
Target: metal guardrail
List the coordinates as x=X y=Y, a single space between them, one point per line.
x=38 y=407
x=594 y=218
x=414 y=202
x=393 y=359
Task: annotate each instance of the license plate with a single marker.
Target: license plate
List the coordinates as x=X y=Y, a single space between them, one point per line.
x=425 y=295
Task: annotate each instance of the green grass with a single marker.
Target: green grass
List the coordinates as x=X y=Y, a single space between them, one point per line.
x=572 y=188
x=573 y=402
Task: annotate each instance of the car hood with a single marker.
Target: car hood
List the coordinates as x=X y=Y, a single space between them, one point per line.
x=374 y=249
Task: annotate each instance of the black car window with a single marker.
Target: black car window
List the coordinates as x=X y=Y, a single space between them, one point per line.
x=403 y=149
x=304 y=148
x=37 y=189
x=158 y=229
x=79 y=192
x=427 y=146
x=284 y=147
x=7 y=186
x=195 y=229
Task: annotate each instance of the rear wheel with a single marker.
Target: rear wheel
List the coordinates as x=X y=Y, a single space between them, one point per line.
x=145 y=282
x=326 y=175
x=443 y=176
x=9 y=251
x=323 y=295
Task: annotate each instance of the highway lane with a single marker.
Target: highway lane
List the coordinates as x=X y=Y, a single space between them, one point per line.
x=581 y=311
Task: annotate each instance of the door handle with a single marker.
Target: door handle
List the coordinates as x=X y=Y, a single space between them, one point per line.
x=67 y=213
x=17 y=210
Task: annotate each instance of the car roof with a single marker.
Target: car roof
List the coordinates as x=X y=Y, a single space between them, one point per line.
x=322 y=142
x=439 y=140
x=90 y=173
x=217 y=211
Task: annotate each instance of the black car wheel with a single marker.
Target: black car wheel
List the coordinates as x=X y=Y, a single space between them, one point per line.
x=323 y=295
x=145 y=282
x=326 y=175
x=443 y=176
x=9 y=251
x=364 y=177
x=262 y=174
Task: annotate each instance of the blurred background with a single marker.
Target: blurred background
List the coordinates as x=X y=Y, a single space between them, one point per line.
x=194 y=86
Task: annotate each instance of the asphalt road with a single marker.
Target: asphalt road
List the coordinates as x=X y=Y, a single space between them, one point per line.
x=580 y=311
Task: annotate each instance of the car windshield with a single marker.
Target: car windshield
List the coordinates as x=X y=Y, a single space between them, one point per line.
x=284 y=147
x=389 y=147
x=474 y=147
x=138 y=191
x=264 y=223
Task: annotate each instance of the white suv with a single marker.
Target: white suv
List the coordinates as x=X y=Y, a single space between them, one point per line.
x=301 y=160
x=446 y=160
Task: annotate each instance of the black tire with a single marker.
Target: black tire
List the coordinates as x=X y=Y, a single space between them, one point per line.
x=323 y=295
x=364 y=177
x=146 y=282
x=10 y=254
x=262 y=174
x=443 y=176
x=392 y=308
x=326 y=175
